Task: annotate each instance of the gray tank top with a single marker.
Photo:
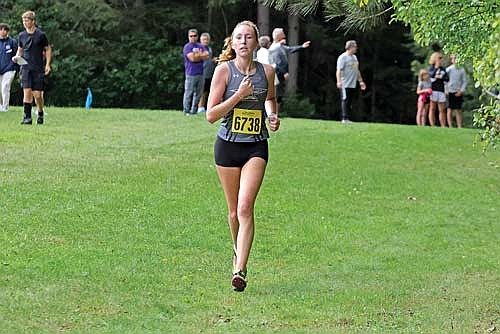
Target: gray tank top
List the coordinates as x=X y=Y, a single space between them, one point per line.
x=246 y=122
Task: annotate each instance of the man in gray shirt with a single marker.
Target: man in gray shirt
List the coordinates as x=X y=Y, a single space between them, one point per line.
x=347 y=74
x=456 y=87
x=278 y=55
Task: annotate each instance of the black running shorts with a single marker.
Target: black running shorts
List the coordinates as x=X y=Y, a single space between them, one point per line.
x=454 y=101
x=32 y=79
x=237 y=154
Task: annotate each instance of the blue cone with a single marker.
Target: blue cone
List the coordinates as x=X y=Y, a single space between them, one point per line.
x=88 y=102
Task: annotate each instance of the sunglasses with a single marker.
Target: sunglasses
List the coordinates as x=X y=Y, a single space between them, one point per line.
x=193 y=35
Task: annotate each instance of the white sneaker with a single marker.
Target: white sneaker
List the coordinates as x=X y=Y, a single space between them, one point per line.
x=345 y=121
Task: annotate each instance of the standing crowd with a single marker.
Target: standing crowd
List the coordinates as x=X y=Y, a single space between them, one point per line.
x=441 y=89
x=200 y=62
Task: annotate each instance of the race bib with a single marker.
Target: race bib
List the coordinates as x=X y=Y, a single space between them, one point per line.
x=247 y=121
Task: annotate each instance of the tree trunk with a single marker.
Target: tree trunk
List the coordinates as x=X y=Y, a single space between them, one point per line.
x=263 y=18
x=139 y=14
x=209 y=18
x=293 y=59
x=373 y=88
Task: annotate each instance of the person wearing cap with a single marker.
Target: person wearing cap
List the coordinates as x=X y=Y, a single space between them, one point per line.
x=347 y=74
x=33 y=44
x=8 y=47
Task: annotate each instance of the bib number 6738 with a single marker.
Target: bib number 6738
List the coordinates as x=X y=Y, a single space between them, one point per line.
x=247 y=121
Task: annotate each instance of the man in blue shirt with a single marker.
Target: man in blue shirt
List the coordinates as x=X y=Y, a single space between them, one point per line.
x=8 y=47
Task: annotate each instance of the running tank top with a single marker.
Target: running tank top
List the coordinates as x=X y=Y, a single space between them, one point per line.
x=246 y=122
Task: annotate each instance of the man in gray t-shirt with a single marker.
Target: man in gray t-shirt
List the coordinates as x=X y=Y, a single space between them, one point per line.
x=347 y=74
x=456 y=87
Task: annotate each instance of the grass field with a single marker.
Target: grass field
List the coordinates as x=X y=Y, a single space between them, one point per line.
x=113 y=221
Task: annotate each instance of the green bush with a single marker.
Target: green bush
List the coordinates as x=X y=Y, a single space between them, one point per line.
x=297 y=106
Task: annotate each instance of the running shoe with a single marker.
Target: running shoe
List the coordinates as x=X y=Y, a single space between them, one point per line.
x=39 y=120
x=239 y=281
x=27 y=121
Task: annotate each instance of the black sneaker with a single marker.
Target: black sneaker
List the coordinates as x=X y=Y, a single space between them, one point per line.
x=39 y=120
x=239 y=281
x=27 y=121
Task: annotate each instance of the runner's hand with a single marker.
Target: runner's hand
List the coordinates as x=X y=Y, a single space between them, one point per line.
x=274 y=122
x=246 y=87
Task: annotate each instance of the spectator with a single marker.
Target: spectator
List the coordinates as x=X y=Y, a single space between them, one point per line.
x=347 y=74
x=424 y=92
x=263 y=56
x=194 y=55
x=456 y=87
x=33 y=44
x=263 y=52
x=438 y=98
x=278 y=55
x=208 y=70
x=8 y=47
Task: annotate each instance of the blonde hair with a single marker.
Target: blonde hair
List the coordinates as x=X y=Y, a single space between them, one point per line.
x=435 y=56
x=421 y=74
x=228 y=52
x=29 y=15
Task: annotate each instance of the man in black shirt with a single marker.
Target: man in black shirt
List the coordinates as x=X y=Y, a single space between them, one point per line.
x=33 y=44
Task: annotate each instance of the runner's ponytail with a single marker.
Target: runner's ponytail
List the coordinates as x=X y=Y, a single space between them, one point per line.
x=227 y=52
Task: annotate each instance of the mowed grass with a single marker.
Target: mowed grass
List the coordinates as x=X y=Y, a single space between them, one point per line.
x=113 y=221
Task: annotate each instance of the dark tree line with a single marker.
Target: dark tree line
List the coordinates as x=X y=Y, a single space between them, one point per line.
x=129 y=52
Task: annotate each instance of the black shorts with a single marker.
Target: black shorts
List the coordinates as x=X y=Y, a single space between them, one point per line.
x=455 y=102
x=206 y=86
x=32 y=79
x=237 y=154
